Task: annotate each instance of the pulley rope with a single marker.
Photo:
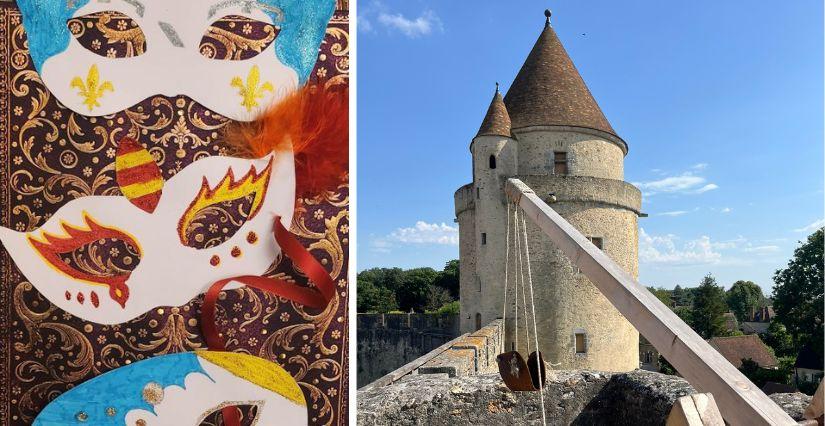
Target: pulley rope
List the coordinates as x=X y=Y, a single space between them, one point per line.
x=535 y=329
x=522 y=285
x=506 y=264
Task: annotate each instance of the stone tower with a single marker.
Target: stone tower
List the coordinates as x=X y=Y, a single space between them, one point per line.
x=549 y=132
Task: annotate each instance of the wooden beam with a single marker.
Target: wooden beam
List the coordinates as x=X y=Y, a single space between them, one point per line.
x=739 y=400
x=698 y=409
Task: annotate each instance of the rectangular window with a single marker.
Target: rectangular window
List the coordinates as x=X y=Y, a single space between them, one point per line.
x=580 y=346
x=559 y=163
x=483 y=238
x=478 y=193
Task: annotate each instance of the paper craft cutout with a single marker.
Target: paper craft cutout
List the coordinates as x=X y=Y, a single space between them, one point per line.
x=173 y=33
x=237 y=38
x=77 y=256
x=181 y=389
x=138 y=176
x=109 y=34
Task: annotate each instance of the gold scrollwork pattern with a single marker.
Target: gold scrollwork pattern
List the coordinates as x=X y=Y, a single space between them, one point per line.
x=52 y=156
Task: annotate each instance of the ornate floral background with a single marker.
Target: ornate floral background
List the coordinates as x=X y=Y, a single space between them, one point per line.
x=50 y=155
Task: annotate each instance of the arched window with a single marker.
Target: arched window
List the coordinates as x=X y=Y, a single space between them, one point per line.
x=492 y=161
x=478 y=321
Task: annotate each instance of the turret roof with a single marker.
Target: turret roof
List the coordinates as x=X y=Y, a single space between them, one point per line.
x=548 y=90
x=497 y=120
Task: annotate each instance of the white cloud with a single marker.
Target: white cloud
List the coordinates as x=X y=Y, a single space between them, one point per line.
x=421 y=233
x=706 y=188
x=380 y=245
x=426 y=233
x=686 y=183
x=364 y=25
x=666 y=250
x=412 y=28
x=699 y=166
x=727 y=210
x=762 y=249
x=674 y=213
x=812 y=227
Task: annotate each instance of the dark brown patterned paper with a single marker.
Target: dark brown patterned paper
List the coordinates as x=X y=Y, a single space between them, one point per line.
x=50 y=155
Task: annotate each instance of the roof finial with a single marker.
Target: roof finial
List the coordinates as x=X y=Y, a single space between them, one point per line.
x=547 y=14
x=496 y=87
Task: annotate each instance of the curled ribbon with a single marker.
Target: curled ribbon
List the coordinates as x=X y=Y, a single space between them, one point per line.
x=318 y=297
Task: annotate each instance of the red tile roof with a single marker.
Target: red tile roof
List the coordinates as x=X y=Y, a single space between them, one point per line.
x=737 y=348
x=548 y=90
x=497 y=120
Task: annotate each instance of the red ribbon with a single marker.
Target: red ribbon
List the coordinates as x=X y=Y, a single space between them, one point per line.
x=317 y=297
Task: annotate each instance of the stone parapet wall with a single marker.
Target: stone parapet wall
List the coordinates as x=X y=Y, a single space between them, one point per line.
x=464 y=199
x=472 y=353
x=586 y=189
x=389 y=341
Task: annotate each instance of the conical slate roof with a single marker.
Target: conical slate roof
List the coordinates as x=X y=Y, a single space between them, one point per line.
x=497 y=120
x=548 y=90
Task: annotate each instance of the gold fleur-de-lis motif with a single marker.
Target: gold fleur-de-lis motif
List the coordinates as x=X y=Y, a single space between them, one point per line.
x=92 y=89
x=252 y=90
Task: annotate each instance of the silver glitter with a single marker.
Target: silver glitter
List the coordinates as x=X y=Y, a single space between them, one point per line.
x=171 y=34
x=247 y=6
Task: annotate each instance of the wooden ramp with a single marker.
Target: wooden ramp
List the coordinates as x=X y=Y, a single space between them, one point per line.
x=739 y=400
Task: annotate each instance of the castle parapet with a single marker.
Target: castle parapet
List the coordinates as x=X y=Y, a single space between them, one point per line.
x=464 y=199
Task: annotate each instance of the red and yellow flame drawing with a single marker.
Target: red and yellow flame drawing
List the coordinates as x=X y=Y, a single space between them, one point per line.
x=50 y=247
x=228 y=189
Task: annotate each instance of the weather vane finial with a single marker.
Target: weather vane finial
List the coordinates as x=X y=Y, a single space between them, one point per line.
x=547 y=14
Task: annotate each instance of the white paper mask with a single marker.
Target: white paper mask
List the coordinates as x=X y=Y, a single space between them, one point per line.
x=106 y=260
x=172 y=64
x=181 y=389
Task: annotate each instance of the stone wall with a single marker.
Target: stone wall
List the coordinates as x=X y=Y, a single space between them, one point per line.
x=593 y=197
x=472 y=353
x=388 y=341
x=588 y=153
x=570 y=397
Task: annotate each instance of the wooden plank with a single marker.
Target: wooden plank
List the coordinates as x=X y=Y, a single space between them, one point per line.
x=740 y=401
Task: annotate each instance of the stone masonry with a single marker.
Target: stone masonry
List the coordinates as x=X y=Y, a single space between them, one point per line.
x=549 y=132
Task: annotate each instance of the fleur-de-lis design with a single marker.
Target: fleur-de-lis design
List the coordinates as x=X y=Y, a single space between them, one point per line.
x=92 y=89
x=252 y=90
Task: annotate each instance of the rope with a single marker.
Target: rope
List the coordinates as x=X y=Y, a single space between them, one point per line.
x=506 y=264
x=515 y=273
x=523 y=296
x=533 y=307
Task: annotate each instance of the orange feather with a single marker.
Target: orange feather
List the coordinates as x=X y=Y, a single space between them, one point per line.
x=315 y=119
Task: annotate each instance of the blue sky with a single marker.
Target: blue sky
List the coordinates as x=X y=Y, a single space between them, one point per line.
x=721 y=104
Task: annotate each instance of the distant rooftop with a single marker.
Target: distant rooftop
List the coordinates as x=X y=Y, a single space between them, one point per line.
x=737 y=348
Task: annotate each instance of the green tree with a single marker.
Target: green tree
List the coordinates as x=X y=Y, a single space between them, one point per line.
x=798 y=293
x=663 y=295
x=448 y=279
x=685 y=313
x=744 y=297
x=389 y=278
x=779 y=339
x=708 y=308
x=414 y=289
x=374 y=299
x=679 y=296
x=437 y=298
x=452 y=308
